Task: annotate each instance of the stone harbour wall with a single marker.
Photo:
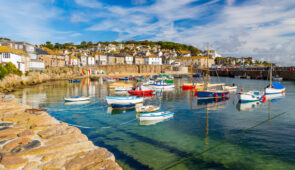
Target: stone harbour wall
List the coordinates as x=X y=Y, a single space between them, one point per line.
x=32 y=139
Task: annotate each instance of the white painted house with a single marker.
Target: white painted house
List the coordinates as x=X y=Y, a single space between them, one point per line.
x=90 y=61
x=36 y=65
x=153 y=60
x=128 y=59
x=103 y=60
x=15 y=59
x=83 y=60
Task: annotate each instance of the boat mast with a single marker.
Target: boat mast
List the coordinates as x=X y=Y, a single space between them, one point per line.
x=191 y=73
x=270 y=74
x=207 y=74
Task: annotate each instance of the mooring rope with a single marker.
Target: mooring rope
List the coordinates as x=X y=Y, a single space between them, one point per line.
x=221 y=143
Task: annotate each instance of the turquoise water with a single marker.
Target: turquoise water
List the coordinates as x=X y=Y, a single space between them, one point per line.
x=202 y=135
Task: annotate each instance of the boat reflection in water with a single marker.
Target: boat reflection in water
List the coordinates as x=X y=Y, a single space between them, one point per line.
x=77 y=103
x=113 y=111
x=275 y=97
x=249 y=106
x=152 y=122
x=214 y=104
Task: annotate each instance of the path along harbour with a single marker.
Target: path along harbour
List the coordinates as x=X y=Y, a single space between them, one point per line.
x=222 y=134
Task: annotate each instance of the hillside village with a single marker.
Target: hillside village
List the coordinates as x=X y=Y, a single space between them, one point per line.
x=27 y=57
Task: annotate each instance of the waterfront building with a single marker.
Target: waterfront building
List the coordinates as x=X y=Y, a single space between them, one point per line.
x=212 y=54
x=111 y=60
x=73 y=61
x=103 y=60
x=138 y=60
x=196 y=61
x=128 y=59
x=152 y=60
x=90 y=61
x=15 y=56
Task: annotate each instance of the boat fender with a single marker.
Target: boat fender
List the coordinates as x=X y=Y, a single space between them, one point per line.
x=216 y=95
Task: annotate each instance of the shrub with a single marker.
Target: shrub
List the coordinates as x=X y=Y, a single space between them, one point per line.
x=12 y=69
x=3 y=71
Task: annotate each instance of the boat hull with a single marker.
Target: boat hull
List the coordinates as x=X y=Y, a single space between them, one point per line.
x=155 y=116
x=249 y=97
x=124 y=100
x=123 y=106
x=211 y=94
x=136 y=92
x=270 y=91
x=76 y=99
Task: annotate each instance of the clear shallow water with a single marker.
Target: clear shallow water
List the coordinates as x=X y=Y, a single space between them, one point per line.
x=198 y=130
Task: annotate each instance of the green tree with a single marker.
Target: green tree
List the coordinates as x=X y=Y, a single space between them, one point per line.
x=83 y=43
x=12 y=69
x=3 y=71
x=49 y=45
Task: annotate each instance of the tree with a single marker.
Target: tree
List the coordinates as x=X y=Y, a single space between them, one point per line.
x=89 y=44
x=83 y=43
x=49 y=45
x=3 y=71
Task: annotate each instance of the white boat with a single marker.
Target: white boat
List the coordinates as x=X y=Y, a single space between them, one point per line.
x=250 y=96
x=274 y=88
x=277 y=78
x=77 y=102
x=232 y=88
x=76 y=98
x=124 y=100
x=110 y=80
x=161 y=85
x=122 y=88
x=147 y=83
x=148 y=108
x=161 y=115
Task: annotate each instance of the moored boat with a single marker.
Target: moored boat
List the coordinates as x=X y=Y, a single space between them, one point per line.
x=275 y=88
x=161 y=115
x=76 y=98
x=123 y=106
x=161 y=85
x=141 y=90
x=232 y=88
x=211 y=93
x=122 y=88
x=250 y=96
x=124 y=100
x=74 y=81
x=147 y=108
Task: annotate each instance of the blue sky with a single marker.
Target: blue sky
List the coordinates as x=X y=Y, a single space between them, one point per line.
x=259 y=28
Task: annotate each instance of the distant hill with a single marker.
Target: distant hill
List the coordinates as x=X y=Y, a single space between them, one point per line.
x=163 y=44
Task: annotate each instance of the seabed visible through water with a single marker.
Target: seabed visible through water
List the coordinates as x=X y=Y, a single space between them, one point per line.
x=221 y=134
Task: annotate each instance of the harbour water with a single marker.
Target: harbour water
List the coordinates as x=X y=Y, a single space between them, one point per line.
x=221 y=134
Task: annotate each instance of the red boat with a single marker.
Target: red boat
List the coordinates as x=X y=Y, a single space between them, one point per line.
x=140 y=91
x=188 y=87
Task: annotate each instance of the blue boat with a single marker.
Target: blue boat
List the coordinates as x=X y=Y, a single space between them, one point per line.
x=75 y=81
x=198 y=75
x=124 y=79
x=122 y=106
x=212 y=93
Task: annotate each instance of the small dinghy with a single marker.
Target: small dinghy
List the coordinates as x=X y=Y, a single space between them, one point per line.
x=161 y=85
x=232 y=88
x=148 y=108
x=161 y=115
x=75 y=81
x=124 y=100
x=123 y=106
x=250 y=96
x=122 y=88
x=141 y=90
x=76 y=98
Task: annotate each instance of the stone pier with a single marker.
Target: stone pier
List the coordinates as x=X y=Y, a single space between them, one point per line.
x=32 y=139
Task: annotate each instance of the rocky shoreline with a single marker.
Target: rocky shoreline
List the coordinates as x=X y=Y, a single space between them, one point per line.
x=32 y=139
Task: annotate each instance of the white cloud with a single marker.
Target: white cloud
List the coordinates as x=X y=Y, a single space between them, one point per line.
x=79 y=18
x=138 y=2
x=89 y=3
